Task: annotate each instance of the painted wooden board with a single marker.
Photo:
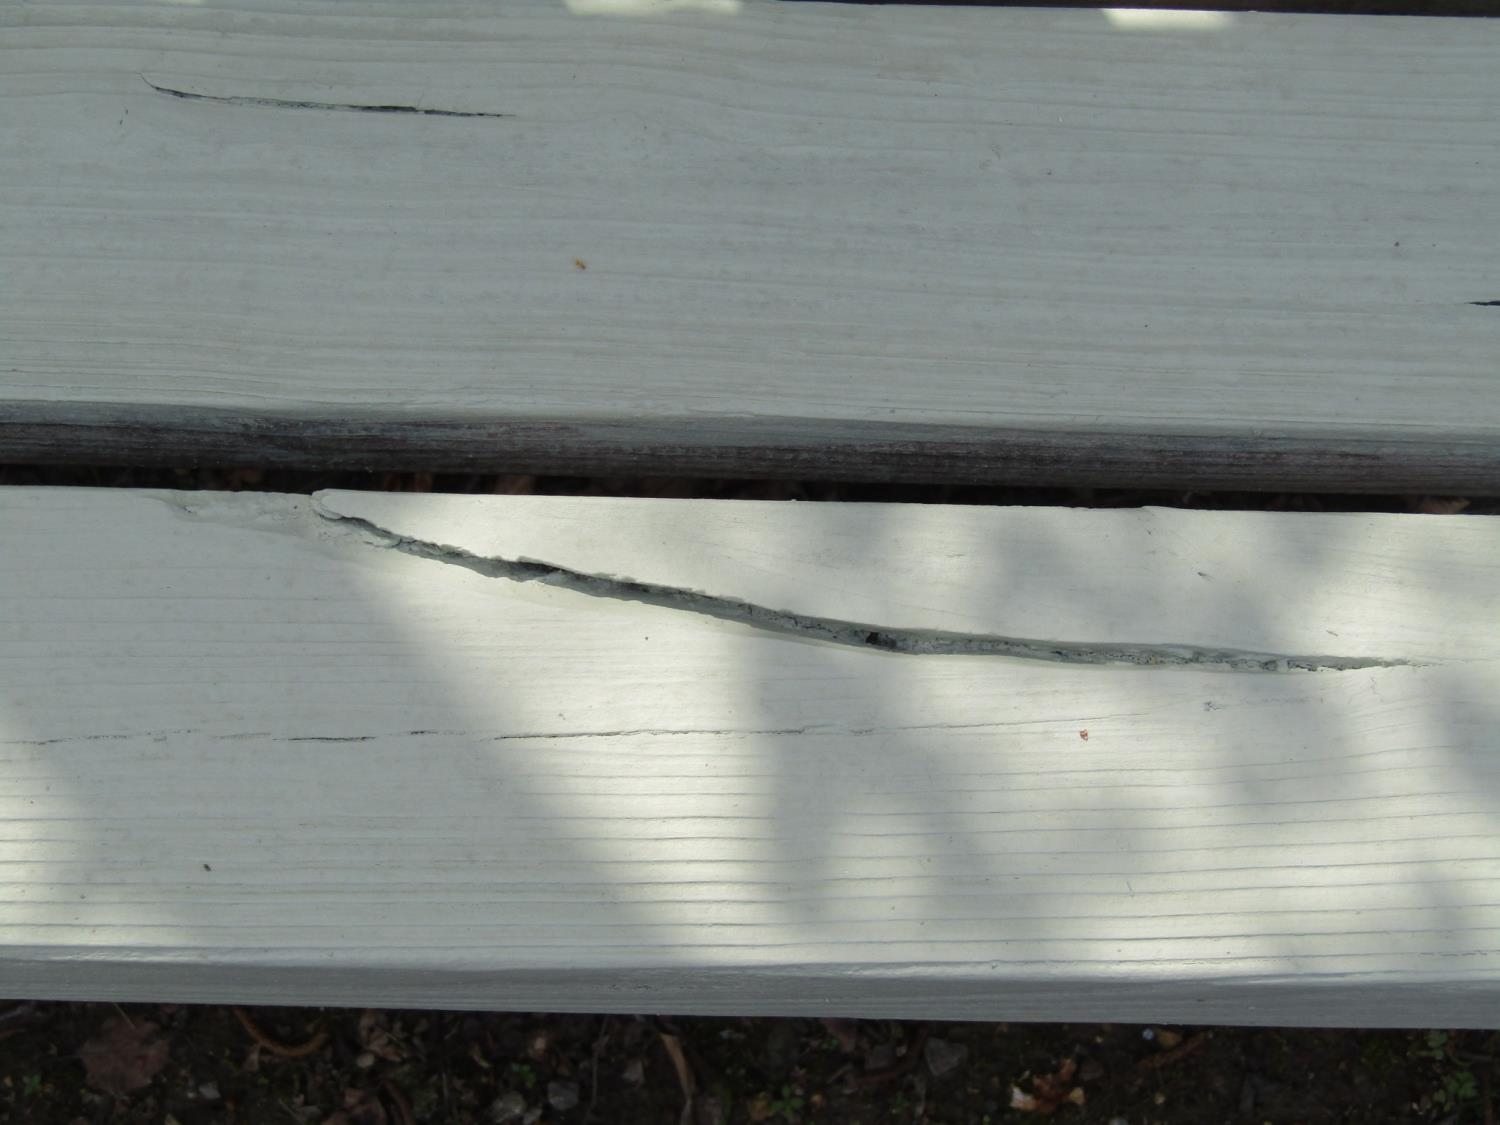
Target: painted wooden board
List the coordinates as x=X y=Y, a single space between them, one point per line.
x=753 y=236
x=256 y=750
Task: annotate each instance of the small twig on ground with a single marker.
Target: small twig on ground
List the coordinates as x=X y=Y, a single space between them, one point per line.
x=919 y=1111
x=404 y=1115
x=275 y=1046
x=1176 y=1054
x=124 y=1015
x=1472 y=1057
x=673 y=1047
x=599 y=1041
x=16 y=1014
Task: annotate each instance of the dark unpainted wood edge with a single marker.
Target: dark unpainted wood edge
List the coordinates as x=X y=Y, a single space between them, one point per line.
x=759 y=447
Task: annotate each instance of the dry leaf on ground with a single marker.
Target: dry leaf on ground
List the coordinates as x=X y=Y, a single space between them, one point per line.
x=375 y=1036
x=124 y=1056
x=1049 y=1092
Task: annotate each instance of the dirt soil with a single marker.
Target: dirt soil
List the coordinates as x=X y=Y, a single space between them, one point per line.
x=192 y=1065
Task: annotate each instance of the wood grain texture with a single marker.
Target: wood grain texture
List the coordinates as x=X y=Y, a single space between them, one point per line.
x=758 y=238
x=251 y=752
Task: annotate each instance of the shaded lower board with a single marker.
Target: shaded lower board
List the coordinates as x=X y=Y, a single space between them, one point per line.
x=748 y=447
x=746 y=237
x=253 y=750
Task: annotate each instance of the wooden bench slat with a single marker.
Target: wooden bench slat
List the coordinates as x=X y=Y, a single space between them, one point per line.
x=765 y=238
x=254 y=751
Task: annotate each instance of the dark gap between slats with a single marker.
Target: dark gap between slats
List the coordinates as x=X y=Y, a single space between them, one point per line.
x=307 y=481
x=1470 y=8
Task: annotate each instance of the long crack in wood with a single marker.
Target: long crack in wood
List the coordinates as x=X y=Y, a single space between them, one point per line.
x=904 y=641
x=286 y=103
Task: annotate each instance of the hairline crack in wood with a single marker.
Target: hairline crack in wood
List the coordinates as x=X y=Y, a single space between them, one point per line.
x=287 y=103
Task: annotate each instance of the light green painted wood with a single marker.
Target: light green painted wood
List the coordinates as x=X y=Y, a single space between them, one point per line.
x=252 y=752
x=1232 y=247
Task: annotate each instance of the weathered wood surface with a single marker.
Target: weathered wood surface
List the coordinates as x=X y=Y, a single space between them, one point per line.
x=759 y=237
x=268 y=748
